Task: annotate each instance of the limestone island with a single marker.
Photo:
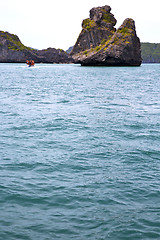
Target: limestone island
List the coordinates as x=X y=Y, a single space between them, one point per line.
x=12 y=50
x=100 y=44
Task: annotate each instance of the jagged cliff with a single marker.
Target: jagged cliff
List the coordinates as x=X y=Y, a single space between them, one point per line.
x=99 y=43
x=12 y=50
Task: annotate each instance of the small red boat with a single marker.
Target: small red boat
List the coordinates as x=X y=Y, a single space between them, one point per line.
x=30 y=63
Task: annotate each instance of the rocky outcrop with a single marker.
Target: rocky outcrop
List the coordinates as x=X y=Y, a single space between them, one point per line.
x=150 y=52
x=95 y=30
x=100 y=44
x=12 y=50
x=52 y=55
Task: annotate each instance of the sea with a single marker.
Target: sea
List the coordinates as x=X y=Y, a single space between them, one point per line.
x=79 y=152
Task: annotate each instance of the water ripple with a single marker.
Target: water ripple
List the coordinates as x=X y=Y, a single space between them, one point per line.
x=79 y=152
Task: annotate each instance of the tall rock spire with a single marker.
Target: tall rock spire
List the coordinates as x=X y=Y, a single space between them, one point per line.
x=99 y=43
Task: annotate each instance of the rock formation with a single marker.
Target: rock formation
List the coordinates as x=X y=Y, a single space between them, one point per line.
x=100 y=44
x=12 y=50
x=52 y=55
x=150 y=52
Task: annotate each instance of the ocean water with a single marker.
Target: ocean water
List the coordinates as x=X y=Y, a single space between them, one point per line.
x=79 y=152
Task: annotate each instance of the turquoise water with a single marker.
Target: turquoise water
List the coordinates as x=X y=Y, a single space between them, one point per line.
x=79 y=152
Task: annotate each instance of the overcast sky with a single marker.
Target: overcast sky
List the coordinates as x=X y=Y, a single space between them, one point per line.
x=49 y=23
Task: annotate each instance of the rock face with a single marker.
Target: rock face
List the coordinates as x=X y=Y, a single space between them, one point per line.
x=150 y=52
x=52 y=55
x=12 y=50
x=96 y=29
x=100 y=44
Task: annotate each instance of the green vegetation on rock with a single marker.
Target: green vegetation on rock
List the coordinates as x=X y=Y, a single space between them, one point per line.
x=98 y=48
x=85 y=52
x=124 y=31
x=14 y=42
x=88 y=24
x=107 y=18
x=150 y=52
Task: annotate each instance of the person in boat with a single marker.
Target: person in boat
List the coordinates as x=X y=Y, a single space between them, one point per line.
x=30 y=63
